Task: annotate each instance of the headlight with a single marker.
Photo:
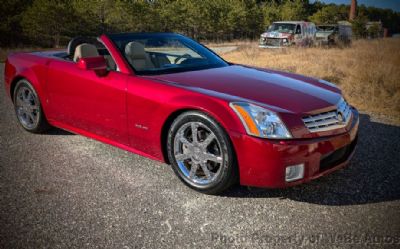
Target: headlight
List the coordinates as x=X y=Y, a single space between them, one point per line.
x=285 y=40
x=260 y=122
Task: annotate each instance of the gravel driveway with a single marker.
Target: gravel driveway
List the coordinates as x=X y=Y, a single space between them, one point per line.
x=64 y=190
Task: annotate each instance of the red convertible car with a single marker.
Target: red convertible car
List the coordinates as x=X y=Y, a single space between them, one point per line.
x=166 y=97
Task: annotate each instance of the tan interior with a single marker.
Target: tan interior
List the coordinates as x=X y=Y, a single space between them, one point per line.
x=137 y=56
x=85 y=50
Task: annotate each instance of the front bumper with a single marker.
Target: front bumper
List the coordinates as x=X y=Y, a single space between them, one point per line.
x=262 y=162
x=322 y=41
x=265 y=46
x=274 y=43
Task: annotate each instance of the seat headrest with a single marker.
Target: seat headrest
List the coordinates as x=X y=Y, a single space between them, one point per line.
x=135 y=50
x=85 y=50
x=74 y=42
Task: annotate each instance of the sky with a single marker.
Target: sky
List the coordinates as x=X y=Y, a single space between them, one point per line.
x=386 y=4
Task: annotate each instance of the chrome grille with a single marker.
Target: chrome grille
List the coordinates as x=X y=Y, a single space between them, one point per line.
x=331 y=120
x=276 y=42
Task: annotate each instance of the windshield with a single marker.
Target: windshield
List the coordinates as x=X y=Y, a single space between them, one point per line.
x=161 y=53
x=326 y=28
x=282 y=27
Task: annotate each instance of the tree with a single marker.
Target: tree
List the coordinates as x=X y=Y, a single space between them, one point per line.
x=359 y=27
x=10 y=16
x=329 y=14
x=134 y=16
x=49 y=21
x=374 y=31
x=271 y=13
x=254 y=23
x=54 y=22
x=389 y=18
x=93 y=14
x=294 y=10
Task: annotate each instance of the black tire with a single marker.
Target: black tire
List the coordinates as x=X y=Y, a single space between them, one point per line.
x=40 y=125
x=227 y=171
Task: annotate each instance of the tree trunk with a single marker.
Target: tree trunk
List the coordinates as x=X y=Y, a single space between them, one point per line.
x=56 y=41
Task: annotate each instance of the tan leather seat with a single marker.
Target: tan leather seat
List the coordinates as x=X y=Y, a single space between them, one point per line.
x=85 y=50
x=137 y=56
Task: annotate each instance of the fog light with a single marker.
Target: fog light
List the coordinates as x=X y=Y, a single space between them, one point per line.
x=294 y=172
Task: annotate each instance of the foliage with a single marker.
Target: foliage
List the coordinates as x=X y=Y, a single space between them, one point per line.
x=374 y=30
x=271 y=13
x=330 y=14
x=10 y=15
x=294 y=10
x=48 y=20
x=359 y=27
x=54 y=22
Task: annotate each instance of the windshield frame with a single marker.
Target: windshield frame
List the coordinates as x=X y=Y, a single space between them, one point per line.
x=277 y=24
x=189 y=43
x=326 y=28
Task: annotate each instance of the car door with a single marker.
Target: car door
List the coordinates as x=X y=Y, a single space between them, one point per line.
x=82 y=99
x=298 y=34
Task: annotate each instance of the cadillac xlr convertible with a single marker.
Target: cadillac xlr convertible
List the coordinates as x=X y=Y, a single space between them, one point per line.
x=166 y=97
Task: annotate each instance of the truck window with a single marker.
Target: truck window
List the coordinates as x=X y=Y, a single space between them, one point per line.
x=298 y=30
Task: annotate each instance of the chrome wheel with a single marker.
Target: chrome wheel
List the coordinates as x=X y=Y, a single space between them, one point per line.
x=197 y=152
x=27 y=107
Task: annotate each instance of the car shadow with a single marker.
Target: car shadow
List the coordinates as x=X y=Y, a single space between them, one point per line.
x=372 y=176
x=58 y=132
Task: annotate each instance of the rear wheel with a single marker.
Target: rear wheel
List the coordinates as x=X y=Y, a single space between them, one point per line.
x=28 y=108
x=201 y=153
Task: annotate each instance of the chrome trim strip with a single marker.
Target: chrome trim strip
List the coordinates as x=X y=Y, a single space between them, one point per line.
x=331 y=120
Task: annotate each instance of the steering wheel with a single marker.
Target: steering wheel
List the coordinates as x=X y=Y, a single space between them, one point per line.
x=180 y=57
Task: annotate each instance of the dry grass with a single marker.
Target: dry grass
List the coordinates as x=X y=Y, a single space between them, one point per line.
x=368 y=72
x=240 y=43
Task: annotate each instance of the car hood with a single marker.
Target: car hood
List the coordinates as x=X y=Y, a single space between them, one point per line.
x=284 y=92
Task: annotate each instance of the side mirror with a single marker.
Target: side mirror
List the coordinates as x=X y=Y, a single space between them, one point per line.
x=98 y=64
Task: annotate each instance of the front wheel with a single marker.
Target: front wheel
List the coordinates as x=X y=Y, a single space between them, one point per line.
x=28 y=108
x=201 y=153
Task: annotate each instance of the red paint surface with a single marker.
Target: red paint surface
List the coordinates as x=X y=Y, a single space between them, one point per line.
x=130 y=111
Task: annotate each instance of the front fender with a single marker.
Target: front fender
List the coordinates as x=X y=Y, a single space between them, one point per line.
x=215 y=108
x=152 y=106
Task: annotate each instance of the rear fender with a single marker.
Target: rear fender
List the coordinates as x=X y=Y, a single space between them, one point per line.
x=33 y=78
